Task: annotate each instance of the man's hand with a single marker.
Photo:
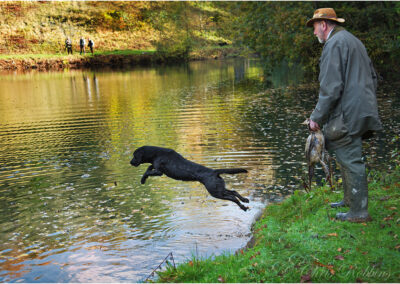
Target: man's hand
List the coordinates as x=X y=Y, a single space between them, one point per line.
x=314 y=126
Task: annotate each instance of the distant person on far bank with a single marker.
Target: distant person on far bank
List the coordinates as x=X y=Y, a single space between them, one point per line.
x=68 y=45
x=347 y=108
x=90 y=45
x=82 y=45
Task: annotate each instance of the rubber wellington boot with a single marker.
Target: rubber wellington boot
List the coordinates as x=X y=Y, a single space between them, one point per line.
x=358 y=188
x=345 y=202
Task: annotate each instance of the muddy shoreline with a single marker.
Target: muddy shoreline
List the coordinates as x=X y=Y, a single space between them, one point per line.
x=252 y=241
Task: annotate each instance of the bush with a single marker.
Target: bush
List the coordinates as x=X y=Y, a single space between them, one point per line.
x=173 y=49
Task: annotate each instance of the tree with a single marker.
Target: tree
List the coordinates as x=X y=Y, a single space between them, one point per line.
x=277 y=31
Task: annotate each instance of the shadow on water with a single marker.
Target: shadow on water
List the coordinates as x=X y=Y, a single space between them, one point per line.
x=72 y=209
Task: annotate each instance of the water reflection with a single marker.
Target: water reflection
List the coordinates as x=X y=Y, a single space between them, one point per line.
x=72 y=208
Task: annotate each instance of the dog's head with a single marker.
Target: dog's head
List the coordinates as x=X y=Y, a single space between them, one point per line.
x=137 y=157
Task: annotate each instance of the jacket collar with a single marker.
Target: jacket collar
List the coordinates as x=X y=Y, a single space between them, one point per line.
x=335 y=30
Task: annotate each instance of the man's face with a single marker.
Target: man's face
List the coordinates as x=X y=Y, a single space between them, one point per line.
x=319 y=31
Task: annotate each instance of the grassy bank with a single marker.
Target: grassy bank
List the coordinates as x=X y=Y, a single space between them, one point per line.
x=115 y=58
x=299 y=240
x=59 y=61
x=39 y=56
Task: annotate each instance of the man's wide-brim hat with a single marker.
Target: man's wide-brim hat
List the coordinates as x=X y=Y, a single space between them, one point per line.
x=324 y=14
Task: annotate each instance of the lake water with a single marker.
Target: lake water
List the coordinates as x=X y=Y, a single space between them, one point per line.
x=72 y=209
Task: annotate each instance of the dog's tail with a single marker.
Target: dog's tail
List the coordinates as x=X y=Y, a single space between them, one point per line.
x=230 y=171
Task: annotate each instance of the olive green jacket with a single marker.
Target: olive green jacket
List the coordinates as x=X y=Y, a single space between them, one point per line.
x=347 y=105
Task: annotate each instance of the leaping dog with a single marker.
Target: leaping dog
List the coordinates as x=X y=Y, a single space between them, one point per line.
x=168 y=162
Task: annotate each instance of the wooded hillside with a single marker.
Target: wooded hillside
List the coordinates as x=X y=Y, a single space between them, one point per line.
x=42 y=27
x=274 y=30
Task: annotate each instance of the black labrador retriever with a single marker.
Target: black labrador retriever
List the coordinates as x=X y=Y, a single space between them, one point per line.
x=168 y=162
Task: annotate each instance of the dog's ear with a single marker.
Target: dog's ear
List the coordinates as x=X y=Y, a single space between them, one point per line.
x=136 y=155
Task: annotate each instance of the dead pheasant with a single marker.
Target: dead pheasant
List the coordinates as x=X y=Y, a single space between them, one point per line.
x=316 y=153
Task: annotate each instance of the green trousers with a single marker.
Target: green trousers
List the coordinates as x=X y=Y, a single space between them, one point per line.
x=350 y=156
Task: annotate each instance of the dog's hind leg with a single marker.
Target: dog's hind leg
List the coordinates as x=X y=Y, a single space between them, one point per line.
x=217 y=189
x=228 y=196
x=235 y=193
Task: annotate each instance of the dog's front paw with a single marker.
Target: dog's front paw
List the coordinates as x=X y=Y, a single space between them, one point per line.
x=245 y=200
x=143 y=180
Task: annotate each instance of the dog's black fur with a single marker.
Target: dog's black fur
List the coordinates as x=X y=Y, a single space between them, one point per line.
x=168 y=162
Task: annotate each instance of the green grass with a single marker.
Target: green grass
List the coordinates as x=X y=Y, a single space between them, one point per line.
x=299 y=240
x=127 y=52
x=31 y=56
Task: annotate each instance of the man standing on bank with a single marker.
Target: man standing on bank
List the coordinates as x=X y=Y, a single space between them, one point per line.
x=68 y=45
x=90 y=45
x=82 y=45
x=347 y=107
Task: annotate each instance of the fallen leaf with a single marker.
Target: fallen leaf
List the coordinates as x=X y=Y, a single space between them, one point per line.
x=44 y=263
x=365 y=252
x=384 y=198
x=306 y=278
x=339 y=257
x=330 y=267
x=221 y=279
x=319 y=264
x=190 y=263
x=254 y=255
x=332 y=235
x=351 y=267
x=339 y=249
